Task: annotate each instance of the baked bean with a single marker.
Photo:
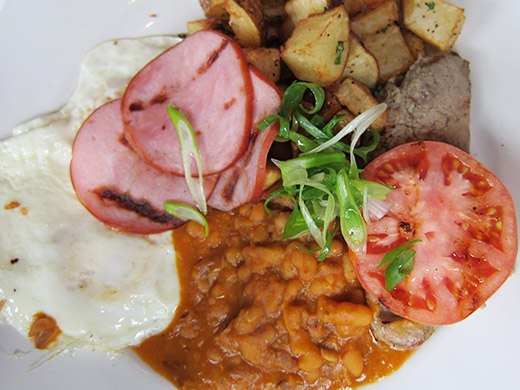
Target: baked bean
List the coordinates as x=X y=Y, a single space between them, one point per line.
x=353 y=361
x=292 y=290
x=348 y=269
x=351 y=314
x=336 y=248
x=214 y=355
x=233 y=256
x=330 y=355
x=259 y=234
x=305 y=264
x=257 y=213
x=311 y=360
x=195 y=230
x=248 y=319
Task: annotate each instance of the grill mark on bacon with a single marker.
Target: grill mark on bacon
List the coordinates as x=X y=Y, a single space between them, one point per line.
x=124 y=141
x=212 y=58
x=136 y=106
x=229 y=188
x=159 y=98
x=141 y=207
x=228 y=104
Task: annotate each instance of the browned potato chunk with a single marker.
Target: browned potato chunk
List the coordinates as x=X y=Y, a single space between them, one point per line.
x=436 y=21
x=361 y=65
x=355 y=6
x=357 y=98
x=301 y=9
x=318 y=47
x=213 y=8
x=415 y=44
x=375 y=20
x=202 y=24
x=267 y=60
x=273 y=9
x=246 y=21
x=391 y=52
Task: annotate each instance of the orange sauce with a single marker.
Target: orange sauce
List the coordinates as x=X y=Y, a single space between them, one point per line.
x=260 y=312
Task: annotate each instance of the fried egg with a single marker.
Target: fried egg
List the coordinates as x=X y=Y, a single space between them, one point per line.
x=105 y=289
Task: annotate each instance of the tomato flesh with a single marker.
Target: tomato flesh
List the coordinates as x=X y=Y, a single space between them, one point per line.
x=465 y=219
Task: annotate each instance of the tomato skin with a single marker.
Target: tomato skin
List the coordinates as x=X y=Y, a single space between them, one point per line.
x=466 y=220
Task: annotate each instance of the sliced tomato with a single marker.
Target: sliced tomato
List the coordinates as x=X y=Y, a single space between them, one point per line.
x=466 y=220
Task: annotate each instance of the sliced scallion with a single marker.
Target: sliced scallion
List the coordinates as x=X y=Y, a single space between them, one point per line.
x=186 y=212
x=189 y=152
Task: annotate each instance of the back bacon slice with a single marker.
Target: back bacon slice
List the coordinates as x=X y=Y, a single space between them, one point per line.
x=243 y=182
x=116 y=185
x=207 y=77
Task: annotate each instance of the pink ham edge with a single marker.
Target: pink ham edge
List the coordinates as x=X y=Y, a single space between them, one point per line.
x=243 y=182
x=207 y=77
x=116 y=185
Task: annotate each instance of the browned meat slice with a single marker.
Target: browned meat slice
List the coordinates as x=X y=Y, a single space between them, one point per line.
x=207 y=77
x=243 y=182
x=431 y=104
x=116 y=185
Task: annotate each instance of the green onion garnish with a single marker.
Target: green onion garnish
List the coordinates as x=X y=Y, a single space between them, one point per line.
x=325 y=183
x=401 y=261
x=189 y=151
x=186 y=212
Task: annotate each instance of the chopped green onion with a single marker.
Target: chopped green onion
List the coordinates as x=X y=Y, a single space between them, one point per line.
x=189 y=151
x=353 y=226
x=322 y=182
x=186 y=212
x=401 y=261
x=295 y=226
x=315 y=232
x=359 y=123
x=339 y=51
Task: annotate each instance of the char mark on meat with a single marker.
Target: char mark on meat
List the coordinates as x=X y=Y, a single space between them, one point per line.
x=136 y=106
x=229 y=188
x=140 y=207
x=159 y=98
x=213 y=56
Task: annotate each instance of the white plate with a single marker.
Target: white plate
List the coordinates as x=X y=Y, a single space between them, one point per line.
x=42 y=44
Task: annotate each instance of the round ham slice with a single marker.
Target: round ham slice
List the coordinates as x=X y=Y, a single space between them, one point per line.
x=116 y=185
x=206 y=76
x=243 y=182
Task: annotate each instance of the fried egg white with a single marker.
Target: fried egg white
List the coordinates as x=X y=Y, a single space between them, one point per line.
x=104 y=289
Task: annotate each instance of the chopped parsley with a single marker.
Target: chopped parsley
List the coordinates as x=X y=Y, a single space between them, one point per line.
x=430 y=5
x=339 y=51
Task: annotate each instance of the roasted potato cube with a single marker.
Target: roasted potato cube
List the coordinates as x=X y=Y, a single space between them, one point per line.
x=361 y=65
x=213 y=8
x=301 y=9
x=355 y=6
x=390 y=50
x=267 y=60
x=415 y=44
x=436 y=21
x=376 y=19
x=357 y=98
x=272 y=175
x=318 y=47
x=202 y=24
x=273 y=9
x=247 y=21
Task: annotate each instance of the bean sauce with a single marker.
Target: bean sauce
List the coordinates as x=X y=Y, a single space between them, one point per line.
x=260 y=312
